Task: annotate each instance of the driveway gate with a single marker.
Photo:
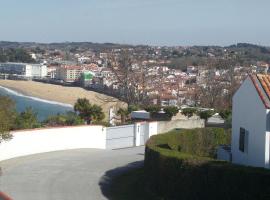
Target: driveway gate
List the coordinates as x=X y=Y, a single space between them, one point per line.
x=120 y=137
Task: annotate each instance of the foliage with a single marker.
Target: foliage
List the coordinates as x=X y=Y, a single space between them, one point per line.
x=225 y=114
x=171 y=111
x=206 y=114
x=87 y=111
x=130 y=185
x=15 y=55
x=181 y=165
x=188 y=112
x=67 y=119
x=123 y=113
x=199 y=142
x=27 y=120
x=132 y=82
x=133 y=107
x=152 y=108
x=7 y=117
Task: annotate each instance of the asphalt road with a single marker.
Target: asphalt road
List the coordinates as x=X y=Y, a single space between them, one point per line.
x=66 y=175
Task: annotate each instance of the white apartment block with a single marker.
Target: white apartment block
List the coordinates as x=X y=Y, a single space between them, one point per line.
x=24 y=69
x=69 y=74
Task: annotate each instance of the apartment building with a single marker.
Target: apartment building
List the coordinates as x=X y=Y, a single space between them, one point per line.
x=69 y=74
x=24 y=69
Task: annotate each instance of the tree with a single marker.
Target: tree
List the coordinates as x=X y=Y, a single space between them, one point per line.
x=206 y=114
x=7 y=117
x=15 y=55
x=225 y=114
x=130 y=79
x=123 y=113
x=27 y=119
x=171 y=111
x=153 y=108
x=67 y=119
x=87 y=111
x=97 y=113
x=188 y=112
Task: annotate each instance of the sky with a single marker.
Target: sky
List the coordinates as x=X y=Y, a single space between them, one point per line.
x=151 y=22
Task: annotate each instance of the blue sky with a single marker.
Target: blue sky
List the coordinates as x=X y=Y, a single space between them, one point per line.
x=155 y=22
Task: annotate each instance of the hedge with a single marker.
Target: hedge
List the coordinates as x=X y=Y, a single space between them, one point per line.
x=181 y=165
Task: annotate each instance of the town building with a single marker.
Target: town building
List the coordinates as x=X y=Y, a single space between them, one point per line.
x=24 y=69
x=69 y=74
x=251 y=122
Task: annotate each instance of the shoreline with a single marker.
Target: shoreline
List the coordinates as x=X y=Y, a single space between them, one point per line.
x=61 y=94
x=25 y=95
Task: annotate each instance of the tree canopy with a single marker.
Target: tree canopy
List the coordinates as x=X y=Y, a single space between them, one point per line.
x=7 y=117
x=27 y=119
x=15 y=55
x=87 y=111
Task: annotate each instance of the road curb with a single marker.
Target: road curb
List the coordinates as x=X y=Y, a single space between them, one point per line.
x=3 y=196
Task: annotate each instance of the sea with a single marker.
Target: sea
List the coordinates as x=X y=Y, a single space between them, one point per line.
x=42 y=107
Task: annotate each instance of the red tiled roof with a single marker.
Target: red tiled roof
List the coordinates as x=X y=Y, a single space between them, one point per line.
x=264 y=81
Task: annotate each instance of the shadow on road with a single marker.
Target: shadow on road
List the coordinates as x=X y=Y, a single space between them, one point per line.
x=106 y=179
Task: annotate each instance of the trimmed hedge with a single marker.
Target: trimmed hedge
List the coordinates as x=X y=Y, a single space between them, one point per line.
x=181 y=165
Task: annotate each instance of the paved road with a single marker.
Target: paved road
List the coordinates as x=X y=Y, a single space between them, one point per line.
x=66 y=175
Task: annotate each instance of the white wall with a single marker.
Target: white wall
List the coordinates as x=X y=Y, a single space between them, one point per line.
x=153 y=128
x=166 y=126
x=39 y=70
x=52 y=139
x=249 y=112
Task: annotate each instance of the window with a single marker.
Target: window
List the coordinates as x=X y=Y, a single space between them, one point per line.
x=243 y=140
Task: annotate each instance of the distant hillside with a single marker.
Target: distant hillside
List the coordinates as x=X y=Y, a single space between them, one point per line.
x=64 y=45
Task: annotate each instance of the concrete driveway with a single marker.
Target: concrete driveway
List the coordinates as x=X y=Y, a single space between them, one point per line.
x=66 y=175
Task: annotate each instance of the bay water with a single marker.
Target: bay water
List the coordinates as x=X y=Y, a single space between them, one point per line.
x=43 y=108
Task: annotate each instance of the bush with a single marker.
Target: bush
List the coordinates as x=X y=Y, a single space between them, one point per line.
x=181 y=165
x=171 y=111
x=188 y=112
x=206 y=114
x=67 y=119
x=153 y=108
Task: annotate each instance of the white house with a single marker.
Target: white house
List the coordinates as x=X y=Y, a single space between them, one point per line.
x=251 y=122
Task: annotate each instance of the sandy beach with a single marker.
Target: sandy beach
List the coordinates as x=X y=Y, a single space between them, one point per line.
x=67 y=95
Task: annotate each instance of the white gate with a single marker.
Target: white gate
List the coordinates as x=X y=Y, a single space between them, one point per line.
x=120 y=137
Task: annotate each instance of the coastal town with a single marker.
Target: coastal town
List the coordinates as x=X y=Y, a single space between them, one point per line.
x=134 y=100
x=168 y=76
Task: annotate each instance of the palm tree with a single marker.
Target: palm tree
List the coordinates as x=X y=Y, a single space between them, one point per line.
x=124 y=114
x=87 y=111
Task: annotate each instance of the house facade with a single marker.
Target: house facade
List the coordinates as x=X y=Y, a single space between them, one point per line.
x=251 y=122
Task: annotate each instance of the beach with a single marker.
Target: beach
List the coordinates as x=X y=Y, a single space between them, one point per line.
x=62 y=94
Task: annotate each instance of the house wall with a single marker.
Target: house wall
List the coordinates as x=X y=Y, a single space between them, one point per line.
x=29 y=142
x=249 y=112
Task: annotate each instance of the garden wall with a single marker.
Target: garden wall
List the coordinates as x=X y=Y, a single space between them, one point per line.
x=35 y=141
x=165 y=126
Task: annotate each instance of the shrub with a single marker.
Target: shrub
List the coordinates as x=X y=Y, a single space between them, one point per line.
x=188 y=112
x=171 y=111
x=206 y=114
x=67 y=119
x=225 y=114
x=153 y=108
x=181 y=165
